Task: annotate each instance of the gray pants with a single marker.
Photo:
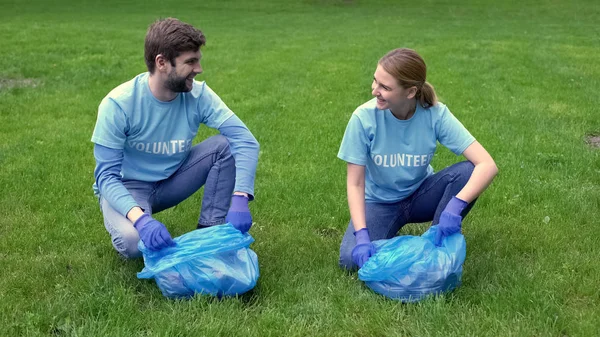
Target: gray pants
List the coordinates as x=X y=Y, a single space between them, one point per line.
x=209 y=164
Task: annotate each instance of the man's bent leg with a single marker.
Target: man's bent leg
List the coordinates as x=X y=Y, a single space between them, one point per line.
x=123 y=235
x=210 y=164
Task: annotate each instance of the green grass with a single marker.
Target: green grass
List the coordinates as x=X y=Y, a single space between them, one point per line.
x=523 y=77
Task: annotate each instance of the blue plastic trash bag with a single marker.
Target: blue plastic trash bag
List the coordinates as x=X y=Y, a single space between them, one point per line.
x=215 y=260
x=409 y=268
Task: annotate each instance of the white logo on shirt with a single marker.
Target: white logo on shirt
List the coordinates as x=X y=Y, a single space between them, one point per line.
x=402 y=159
x=170 y=147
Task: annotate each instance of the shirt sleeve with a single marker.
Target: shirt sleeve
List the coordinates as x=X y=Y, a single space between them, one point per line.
x=111 y=125
x=452 y=134
x=244 y=148
x=108 y=179
x=355 y=144
x=213 y=112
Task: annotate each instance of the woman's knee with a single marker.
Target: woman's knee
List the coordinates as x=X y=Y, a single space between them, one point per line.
x=463 y=170
x=466 y=167
x=345 y=261
x=346 y=247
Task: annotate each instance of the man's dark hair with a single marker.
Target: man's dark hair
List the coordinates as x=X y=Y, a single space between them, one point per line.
x=170 y=37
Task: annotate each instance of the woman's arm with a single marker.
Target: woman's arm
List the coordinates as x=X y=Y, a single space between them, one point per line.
x=355 y=182
x=483 y=174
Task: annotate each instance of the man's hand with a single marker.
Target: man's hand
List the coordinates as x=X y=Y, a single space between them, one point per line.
x=239 y=213
x=153 y=233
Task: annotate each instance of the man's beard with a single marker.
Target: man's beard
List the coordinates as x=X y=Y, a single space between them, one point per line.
x=176 y=84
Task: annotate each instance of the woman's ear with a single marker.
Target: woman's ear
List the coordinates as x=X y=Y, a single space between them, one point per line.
x=412 y=92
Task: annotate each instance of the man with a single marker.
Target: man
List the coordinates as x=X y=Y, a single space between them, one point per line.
x=145 y=161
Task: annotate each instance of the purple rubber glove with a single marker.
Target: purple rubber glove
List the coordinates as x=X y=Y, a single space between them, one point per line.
x=239 y=213
x=153 y=233
x=450 y=219
x=364 y=248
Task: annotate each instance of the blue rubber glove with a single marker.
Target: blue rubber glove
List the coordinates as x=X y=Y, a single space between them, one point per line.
x=450 y=219
x=239 y=213
x=364 y=248
x=153 y=233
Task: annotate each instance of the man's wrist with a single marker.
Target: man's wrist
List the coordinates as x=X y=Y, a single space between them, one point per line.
x=135 y=213
x=142 y=221
x=242 y=194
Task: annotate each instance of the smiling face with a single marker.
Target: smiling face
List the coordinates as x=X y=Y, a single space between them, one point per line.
x=390 y=95
x=181 y=76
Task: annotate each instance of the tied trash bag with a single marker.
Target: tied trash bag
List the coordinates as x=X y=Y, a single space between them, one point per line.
x=409 y=268
x=214 y=260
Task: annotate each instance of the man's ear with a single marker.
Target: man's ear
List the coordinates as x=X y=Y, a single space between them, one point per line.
x=161 y=62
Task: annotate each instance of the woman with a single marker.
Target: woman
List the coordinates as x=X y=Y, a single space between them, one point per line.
x=388 y=145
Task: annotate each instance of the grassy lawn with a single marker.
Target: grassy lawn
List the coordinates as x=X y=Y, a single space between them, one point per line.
x=523 y=77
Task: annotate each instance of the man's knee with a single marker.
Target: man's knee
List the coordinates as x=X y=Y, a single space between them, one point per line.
x=126 y=244
x=221 y=143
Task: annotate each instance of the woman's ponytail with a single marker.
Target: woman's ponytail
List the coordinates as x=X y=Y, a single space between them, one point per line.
x=426 y=95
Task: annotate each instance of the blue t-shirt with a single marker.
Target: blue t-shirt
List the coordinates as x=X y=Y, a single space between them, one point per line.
x=141 y=138
x=397 y=153
x=155 y=136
